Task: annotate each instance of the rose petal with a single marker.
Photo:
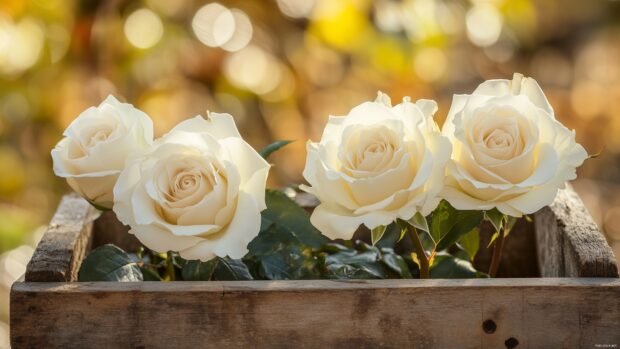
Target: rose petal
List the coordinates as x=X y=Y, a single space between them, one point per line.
x=336 y=223
x=97 y=189
x=253 y=169
x=234 y=239
x=160 y=240
x=428 y=107
x=217 y=125
x=367 y=191
x=323 y=187
x=546 y=166
x=536 y=198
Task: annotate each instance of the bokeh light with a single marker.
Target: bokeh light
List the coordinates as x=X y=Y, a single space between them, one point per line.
x=143 y=28
x=218 y=26
x=430 y=64
x=214 y=24
x=253 y=69
x=484 y=24
x=296 y=8
x=20 y=44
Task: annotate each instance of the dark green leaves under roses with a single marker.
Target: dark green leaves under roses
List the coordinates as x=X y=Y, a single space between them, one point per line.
x=289 y=247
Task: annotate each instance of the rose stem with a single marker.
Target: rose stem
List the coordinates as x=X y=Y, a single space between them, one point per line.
x=170 y=266
x=413 y=233
x=497 y=251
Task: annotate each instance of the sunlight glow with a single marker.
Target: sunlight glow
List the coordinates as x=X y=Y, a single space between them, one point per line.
x=143 y=28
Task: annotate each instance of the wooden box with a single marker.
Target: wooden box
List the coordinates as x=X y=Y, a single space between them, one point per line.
x=570 y=298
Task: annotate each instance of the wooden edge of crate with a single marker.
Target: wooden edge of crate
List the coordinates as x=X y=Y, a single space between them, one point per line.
x=569 y=242
x=59 y=254
x=472 y=313
x=308 y=285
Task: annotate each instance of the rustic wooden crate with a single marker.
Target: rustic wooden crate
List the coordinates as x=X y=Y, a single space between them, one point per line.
x=576 y=302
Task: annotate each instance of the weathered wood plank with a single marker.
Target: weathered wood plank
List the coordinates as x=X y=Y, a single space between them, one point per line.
x=62 y=247
x=109 y=230
x=568 y=241
x=535 y=313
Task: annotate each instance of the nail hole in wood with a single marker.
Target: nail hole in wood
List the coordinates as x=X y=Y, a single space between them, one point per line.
x=511 y=343
x=489 y=326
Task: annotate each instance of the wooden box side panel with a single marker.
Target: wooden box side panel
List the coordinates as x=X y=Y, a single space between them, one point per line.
x=65 y=242
x=569 y=243
x=536 y=313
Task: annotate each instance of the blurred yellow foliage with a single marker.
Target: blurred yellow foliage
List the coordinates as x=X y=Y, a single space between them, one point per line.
x=281 y=67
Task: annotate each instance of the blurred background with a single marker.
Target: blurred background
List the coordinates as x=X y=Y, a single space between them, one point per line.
x=281 y=67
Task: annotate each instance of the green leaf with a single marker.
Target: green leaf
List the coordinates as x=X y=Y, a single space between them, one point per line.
x=427 y=241
x=493 y=237
x=441 y=220
x=231 y=269
x=352 y=264
x=273 y=147
x=290 y=263
x=419 y=222
x=396 y=263
x=392 y=235
x=470 y=242
x=377 y=233
x=283 y=248
x=510 y=223
x=150 y=274
x=345 y=271
x=448 y=266
x=495 y=217
x=275 y=266
x=462 y=223
x=285 y=212
x=199 y=271
x=177 y=261
x=109 y=263
x=333 y=247
x=272 y=239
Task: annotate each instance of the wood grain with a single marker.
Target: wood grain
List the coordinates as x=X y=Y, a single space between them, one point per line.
x=537 y=313
x=568 y=241
x=60 y=252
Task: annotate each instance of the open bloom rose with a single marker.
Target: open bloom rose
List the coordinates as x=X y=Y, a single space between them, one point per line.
x=198 y=190
x=96 y=144
x=509 y=150
x=375 y=165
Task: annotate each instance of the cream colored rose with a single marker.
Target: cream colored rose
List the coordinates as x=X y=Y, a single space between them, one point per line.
x=509 y=151
x=96 y=144
x=198 y=190
x=376 y=164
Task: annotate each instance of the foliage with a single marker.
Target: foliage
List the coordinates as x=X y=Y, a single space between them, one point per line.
x=109 y=263
x=273 y=147
x=448 y=225
x=288 y=247
x=363 y=261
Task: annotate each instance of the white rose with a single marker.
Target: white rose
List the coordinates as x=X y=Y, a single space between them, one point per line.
x=509 y=150
x=96 y=144
x=198 y=190
x=375 y=165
